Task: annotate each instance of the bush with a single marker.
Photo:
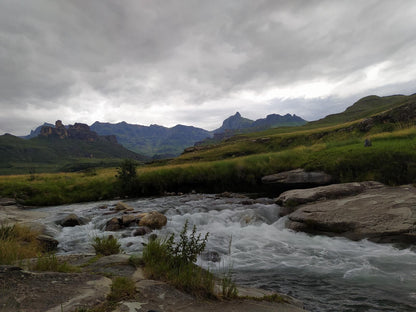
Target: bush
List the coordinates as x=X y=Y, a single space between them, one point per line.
x=188 y=248
x=175 y=262
x=106 y=246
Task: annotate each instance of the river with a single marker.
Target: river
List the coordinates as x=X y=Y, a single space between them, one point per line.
x=327 y=274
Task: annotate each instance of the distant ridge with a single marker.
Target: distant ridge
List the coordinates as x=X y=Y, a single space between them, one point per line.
x=154 y=140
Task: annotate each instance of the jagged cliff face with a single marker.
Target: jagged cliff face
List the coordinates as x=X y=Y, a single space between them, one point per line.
x=77 y=131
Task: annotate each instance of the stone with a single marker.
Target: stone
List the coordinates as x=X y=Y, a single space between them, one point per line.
x=298 y=176
x=123 y=206
x=72 y=220
x=379 y=214
x=142 y=230
x=48 y=243
x=127 y=220
x=293 y=198
x=113 y=224
x=153 y=219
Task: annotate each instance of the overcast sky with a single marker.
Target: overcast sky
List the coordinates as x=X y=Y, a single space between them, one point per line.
x=198 y=62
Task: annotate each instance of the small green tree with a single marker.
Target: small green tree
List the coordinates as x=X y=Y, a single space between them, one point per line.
x=127 y=176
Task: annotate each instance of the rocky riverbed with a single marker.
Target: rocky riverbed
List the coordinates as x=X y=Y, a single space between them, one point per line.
x=326 y=273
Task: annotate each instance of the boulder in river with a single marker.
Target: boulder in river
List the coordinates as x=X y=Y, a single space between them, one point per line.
x=153 y=219
x=48 y=243
x=298 y=176
x=113 y=224
x=142 y=230
x=123 y=206
x=381 y=214
x=72 y=220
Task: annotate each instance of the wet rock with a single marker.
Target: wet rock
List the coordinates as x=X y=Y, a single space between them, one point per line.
x=298 y=176
x=127 y=220
x=48 y=243
x=293 y=198
x=212 y=256
x=247 y=202
x=113 y=225
x=72 y=220
x=153 y=219
x=142 y=230
x=230 y=195
x=380 y=214
x=123 y=206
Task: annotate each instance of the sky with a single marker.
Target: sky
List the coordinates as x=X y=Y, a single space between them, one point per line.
x=196 y=62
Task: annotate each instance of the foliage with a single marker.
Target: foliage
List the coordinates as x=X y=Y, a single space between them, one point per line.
x=122 y=288
x=188 y=248
x=50 y=263
x=127 y=176
x=17 y=243
x=106 y=245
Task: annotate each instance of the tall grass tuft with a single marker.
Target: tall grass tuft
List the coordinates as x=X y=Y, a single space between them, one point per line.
x=17 y=243
x=106 y=245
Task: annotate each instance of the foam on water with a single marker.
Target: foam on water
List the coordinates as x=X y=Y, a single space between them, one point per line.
x=328 y=274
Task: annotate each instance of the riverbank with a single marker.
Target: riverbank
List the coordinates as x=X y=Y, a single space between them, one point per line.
x=36 y=291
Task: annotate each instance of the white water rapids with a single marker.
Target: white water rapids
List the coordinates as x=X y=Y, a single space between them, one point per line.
x=327 y=274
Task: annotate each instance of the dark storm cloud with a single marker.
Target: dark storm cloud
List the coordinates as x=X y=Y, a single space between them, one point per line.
x=142 y=61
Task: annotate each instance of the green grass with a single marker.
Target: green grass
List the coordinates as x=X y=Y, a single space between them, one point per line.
x=50 y=263
x=59 y=188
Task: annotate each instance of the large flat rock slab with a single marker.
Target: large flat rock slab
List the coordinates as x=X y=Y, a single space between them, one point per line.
x=382 y=214
x=39 y=292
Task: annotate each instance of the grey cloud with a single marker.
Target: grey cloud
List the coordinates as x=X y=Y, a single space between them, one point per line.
x=151 y=52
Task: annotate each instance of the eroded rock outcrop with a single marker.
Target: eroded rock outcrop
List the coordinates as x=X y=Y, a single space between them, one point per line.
x=293 y=198
x=381 y=214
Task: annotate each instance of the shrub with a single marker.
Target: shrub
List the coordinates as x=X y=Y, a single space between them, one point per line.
x=106 y=245
x=175 y=262
x=188 y=248
x=127 y=176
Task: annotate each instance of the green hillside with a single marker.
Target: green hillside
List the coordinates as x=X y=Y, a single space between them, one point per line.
x=43 y=154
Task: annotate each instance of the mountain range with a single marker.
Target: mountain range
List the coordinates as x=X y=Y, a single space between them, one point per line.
x=161 y=142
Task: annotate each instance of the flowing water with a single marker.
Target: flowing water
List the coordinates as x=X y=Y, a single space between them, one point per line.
x=327 y=274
